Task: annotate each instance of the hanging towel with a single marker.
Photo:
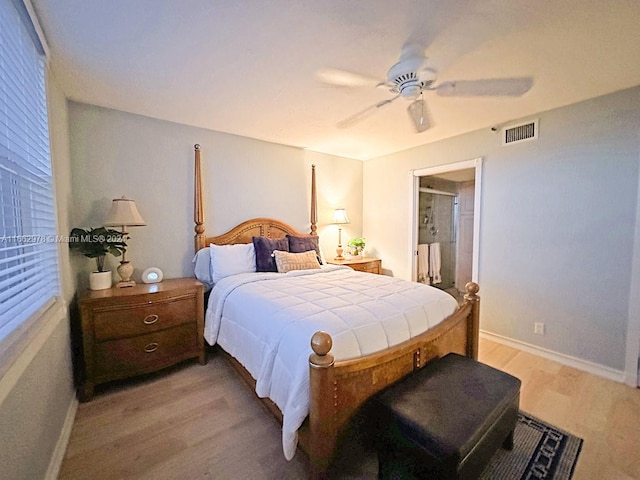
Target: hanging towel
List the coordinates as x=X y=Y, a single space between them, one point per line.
x=434 y=263
x=423 y=263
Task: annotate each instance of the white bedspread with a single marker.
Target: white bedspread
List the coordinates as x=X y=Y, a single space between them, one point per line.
x=266 y=320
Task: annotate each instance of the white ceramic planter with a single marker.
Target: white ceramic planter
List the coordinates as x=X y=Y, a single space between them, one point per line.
x=100 y=280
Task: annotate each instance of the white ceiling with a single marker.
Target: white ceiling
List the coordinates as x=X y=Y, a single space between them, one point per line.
x=248 y=67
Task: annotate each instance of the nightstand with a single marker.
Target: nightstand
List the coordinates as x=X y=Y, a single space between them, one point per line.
x=140 y=329
x=362 y=264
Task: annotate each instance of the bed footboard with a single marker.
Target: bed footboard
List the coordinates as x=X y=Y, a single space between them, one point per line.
x=338 y=389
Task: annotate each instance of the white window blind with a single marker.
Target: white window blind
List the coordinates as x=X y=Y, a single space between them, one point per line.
x=28 y=249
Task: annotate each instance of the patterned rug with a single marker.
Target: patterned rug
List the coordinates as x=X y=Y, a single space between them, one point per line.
x=541 y=451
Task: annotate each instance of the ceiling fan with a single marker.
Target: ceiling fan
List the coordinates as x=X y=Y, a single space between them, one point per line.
x=410 y=78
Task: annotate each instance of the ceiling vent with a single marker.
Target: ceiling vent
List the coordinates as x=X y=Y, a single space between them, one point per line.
x=520 y=133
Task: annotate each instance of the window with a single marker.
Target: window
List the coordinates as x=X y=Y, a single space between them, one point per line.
x=28 y=250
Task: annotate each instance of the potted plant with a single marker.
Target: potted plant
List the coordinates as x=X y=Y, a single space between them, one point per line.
x=357 y=245
x=97 y=243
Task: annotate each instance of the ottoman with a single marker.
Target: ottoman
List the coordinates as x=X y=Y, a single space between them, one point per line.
x=444 y=421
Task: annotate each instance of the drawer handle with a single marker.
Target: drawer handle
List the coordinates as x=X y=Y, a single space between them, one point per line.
x=150 y=319
x=151 y=347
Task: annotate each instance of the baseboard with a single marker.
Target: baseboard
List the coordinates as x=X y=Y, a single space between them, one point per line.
x=580 y=364
x=63 y=440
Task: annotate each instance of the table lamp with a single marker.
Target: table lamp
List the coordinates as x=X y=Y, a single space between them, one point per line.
x=340 y=218
x=124 y=213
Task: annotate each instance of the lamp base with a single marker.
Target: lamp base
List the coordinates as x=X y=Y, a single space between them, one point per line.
x=125 y=270
x=339 y=252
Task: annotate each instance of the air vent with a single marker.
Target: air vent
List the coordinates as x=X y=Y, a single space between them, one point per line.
x=520 y=133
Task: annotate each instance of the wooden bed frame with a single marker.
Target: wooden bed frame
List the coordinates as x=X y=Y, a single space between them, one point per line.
x=339 y=388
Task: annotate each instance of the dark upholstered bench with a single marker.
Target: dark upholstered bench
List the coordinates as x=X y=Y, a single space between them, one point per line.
x=444 y=421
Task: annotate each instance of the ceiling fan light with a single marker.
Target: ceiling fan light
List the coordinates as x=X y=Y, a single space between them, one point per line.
x=419 y=115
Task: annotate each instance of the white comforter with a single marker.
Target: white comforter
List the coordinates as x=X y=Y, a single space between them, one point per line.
x=266 y=320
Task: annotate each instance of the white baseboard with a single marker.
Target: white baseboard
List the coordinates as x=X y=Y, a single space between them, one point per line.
x=63 y=440
x=584 y=365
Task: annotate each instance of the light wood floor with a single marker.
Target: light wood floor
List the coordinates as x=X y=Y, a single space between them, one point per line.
x=198 y=422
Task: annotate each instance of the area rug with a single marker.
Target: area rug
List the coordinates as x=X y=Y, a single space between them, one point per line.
x=541 y=451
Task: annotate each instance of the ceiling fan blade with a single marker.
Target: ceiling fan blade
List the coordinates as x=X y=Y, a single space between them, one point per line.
x=343 y=78
x=420 y=116
x=491 y=87
x=362 y=114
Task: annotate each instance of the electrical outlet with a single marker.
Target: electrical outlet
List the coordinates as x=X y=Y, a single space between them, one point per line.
x=538 y=328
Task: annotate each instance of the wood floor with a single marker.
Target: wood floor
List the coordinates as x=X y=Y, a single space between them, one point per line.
x=199 y=422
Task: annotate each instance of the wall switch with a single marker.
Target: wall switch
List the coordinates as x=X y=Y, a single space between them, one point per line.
x=538 y=328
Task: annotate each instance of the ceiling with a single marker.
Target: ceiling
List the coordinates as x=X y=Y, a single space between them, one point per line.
x=249 y=67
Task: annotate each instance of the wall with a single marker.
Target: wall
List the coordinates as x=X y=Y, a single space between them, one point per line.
x=34 y=411
x=557 y=224
x=116 y=153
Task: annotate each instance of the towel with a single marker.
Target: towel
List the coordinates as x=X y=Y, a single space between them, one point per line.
x=423 y=263
x=434 y=263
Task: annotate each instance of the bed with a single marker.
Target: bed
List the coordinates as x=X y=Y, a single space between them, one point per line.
x=326 y=377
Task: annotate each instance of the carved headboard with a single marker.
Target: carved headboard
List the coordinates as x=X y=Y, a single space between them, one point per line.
x=256 y=227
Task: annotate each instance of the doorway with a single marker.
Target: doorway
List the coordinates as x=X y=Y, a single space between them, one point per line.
x=446 y=223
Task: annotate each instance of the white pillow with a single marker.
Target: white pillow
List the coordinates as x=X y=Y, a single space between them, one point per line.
x=232 y=259
x=202 y=267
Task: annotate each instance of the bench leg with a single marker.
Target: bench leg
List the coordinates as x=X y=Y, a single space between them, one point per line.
x=508 y=442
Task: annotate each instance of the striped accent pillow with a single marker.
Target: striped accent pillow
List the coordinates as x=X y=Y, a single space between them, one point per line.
x=286 y=261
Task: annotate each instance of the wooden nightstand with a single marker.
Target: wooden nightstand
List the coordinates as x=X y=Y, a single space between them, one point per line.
x=362 y=264
x=140 y=329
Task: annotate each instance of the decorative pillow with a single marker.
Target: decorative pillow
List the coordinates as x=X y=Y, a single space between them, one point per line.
x=304 y=244
x=264 y=248
x=286 y=261
x=232 y=259
x=202 y=267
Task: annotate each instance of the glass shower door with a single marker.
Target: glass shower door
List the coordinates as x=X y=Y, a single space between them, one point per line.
x=438 y=221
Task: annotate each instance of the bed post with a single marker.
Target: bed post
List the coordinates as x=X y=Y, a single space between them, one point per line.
x=322 y=406
x=198 y=212
x=473 y=323
x=314 y=202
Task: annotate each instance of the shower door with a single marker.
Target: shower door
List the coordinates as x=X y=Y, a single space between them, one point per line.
x=437 y=224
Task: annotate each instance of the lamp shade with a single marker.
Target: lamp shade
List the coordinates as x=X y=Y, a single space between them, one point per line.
x=340 y=216
x=124 y=213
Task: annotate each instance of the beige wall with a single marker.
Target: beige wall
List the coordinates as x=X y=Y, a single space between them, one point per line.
x=116 y=153
x=557 y=226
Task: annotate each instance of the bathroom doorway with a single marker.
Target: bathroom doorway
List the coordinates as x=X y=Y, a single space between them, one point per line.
x=446 y=222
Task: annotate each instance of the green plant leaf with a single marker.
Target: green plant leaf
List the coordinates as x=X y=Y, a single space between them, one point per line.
x=97 y=242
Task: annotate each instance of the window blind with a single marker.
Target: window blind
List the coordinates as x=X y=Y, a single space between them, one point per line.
x=28 y=242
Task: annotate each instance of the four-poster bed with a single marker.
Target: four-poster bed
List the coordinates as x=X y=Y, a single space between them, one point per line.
x=339 y=387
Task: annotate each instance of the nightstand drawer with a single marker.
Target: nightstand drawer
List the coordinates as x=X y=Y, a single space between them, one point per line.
x=371 y=267
x=130 y=320
x=360 y=264
x=145 y=352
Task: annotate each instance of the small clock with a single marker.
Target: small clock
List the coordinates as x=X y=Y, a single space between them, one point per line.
x=152 y=275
